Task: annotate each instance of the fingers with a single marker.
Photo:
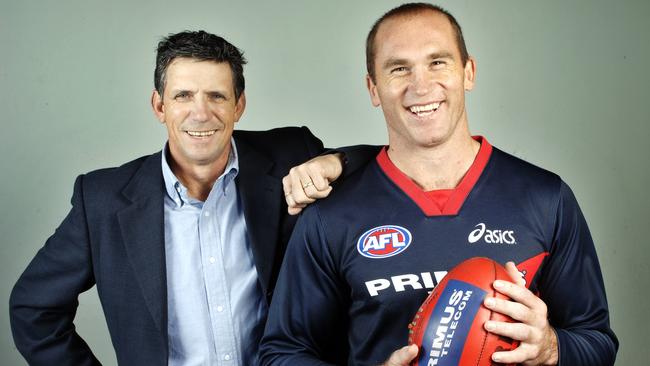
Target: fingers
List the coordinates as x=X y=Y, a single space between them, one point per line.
x=538 y=341
x=521 y=295
x=514 y=310
x=517 y=356
x=310 y=181
x=516 y=331
x=539 y=347
x=403 y=356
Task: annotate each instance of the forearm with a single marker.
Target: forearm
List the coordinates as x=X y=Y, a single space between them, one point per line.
x=575 y=291
x=43 y=302
x=305 y=325
x=291 y=359
x=43 y=331
x=586 y=347
x=356 y=156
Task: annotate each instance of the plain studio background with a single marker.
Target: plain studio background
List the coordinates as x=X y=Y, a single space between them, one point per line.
x=562 y=84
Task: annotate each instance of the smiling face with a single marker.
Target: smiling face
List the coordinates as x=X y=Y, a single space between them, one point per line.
x=199 y=109
x=420 y=80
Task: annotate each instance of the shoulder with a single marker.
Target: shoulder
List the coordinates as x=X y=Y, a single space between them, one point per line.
x=284 y=147
x=542 y=192
x=515 y=172
x=277 y=138
x=361 y=191
x=115 y=178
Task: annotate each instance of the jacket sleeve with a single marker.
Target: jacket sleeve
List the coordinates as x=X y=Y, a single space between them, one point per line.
x=307 y=315
x=354 y=156
x=44 y=301
x=572 y=287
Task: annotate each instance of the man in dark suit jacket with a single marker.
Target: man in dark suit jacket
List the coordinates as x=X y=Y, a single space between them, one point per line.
x=122 y=231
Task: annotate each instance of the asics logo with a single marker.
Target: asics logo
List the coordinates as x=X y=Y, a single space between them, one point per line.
x=491 y=236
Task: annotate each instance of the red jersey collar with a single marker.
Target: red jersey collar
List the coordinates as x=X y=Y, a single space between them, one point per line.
x=458 y=195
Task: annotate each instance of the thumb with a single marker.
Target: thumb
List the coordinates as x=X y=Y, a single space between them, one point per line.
x=516 y=276
x=403 y=356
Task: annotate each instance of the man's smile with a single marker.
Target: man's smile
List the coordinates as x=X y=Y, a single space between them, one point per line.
x=424 y=110
x=201 y=133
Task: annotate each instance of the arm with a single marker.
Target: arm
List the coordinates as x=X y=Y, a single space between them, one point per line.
x=306 y=323
x=44 y=302
x=311 y=180
x=577 y=331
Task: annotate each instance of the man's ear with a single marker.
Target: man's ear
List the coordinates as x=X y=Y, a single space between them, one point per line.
x=372 y=89
x=241 y=105
x=470 y=73
x=158 y=106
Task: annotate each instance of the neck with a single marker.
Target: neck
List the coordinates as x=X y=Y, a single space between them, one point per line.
x=442 y=166
x=199 y=179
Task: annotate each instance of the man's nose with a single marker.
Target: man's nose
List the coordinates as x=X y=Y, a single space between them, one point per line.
x=421 y=81
x=200 y=110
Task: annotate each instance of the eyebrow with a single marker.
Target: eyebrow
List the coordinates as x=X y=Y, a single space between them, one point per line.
x=213 y=93
x=181 y=90
x=391 y=62
x=443 y=54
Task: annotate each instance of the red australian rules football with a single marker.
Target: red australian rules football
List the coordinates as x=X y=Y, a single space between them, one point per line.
x=448 y=327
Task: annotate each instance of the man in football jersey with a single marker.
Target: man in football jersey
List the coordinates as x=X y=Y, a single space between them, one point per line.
x=360 y=263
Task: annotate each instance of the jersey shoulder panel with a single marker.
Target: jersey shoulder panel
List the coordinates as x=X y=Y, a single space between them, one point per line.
x=519 y=171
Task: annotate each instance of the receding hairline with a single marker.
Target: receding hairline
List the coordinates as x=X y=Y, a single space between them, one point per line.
x=411 y=15
x=371 y=47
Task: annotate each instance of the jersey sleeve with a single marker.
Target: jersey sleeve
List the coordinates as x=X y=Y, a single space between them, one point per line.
x=307 y=317
x=572 y=287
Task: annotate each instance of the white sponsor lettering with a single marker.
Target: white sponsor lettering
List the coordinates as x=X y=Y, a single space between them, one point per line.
x=377 y=285
x=400 y=283
x=491 y=236
x=447 y=328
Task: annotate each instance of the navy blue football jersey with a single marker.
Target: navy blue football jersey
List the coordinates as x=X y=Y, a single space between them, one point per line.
x=360 y=263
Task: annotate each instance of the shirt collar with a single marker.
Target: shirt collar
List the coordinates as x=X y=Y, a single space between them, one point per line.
x=175 y=189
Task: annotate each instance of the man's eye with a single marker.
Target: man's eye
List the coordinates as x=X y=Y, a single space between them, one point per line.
x=398 y=70
x=182 y=96
x=217 y=97
x=437 y=63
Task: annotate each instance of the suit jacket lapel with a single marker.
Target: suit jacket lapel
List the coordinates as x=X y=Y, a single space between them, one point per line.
x=261 y=195
x=142 y=228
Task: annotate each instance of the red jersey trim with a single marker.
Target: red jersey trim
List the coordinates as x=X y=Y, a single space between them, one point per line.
x=457 y=196
x=530 y=266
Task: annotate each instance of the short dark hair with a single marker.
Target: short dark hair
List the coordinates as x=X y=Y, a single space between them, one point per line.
x=202 y=46
x=411 y=9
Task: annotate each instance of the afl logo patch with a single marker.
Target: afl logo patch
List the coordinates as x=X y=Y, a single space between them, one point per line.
x=384 y=241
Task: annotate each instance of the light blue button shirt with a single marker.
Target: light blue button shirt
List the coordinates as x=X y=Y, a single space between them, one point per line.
x=215 y=304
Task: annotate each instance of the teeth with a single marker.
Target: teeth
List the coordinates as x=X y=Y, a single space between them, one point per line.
x=425 y=108
x=201 y=133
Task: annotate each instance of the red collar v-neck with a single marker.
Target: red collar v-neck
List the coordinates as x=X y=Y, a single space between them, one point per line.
x=429 y=205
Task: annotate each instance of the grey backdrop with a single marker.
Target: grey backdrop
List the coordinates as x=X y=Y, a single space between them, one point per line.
x=562 y=84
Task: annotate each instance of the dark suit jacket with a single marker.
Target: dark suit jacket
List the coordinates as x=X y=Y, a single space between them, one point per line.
x=113 y=237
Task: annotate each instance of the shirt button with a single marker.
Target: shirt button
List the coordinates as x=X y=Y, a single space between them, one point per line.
x=226 y=357
x=212 y=259
x=219 y=308
x=206 y=213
